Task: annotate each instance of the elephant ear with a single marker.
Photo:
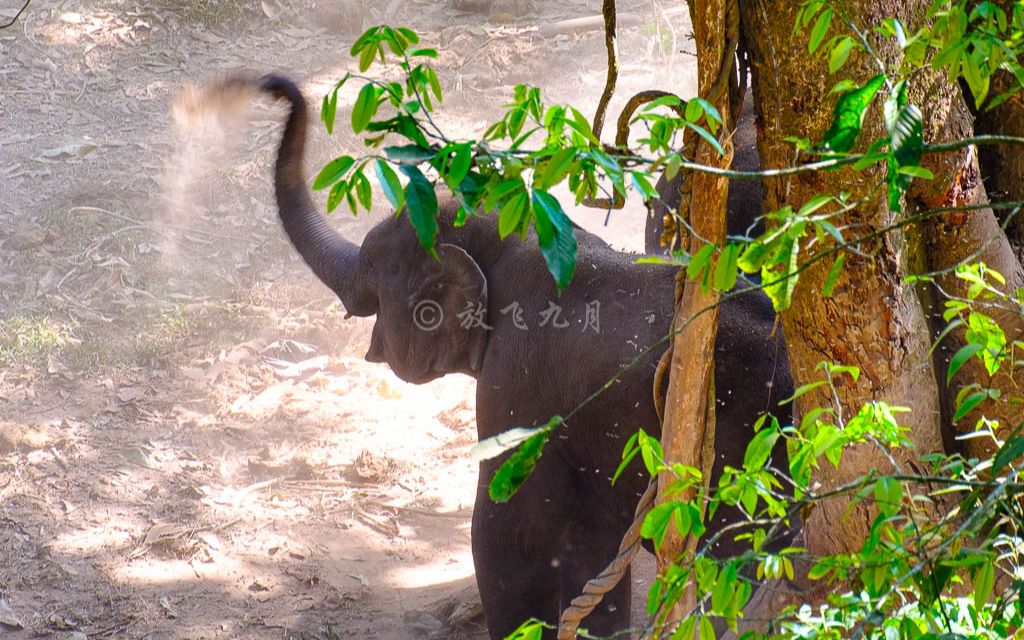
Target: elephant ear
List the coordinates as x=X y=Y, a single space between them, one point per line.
x=456 y=282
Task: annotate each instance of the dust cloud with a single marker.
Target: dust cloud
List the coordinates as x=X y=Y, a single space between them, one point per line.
x=209 y=123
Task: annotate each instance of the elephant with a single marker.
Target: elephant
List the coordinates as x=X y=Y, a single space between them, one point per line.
x=493 y=313
x=743 y=206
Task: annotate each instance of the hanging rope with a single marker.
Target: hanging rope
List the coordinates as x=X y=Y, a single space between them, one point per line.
x=595 y=589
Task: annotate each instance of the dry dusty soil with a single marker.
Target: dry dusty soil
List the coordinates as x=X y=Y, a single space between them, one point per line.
x=191 y=445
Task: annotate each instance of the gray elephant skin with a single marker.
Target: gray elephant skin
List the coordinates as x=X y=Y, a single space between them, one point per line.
x=744 y=202
x=533 y=554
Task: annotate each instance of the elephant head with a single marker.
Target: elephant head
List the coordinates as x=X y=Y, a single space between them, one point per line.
x=422 y=331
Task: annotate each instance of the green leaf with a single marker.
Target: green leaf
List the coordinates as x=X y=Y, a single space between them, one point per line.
x=969 y=403
x=710 y=113
x=459 y=167
x=699 y=261
x=814 y=204
x=529 y=630
x=759 y=449
x=426 y=53
x=888 y=496
x=754 y=256
x=329 y=109
x=628 y=455
x=651 y=452
x=408 y=154
x=421 y=202
x=848 y=116
x=655 y=525
x=726 y=270
x=498 y=194
x=411 y=37
x=1012 y=450
x=819 y=30
x=363 y=41
x=722 y=594
x=389 y=183
x=960 y=358
x=435 y=84
x=404 y=125
x=556 y=168
x=332 y=172
x=643 y=186
x=366 y=56
x=365 y=107
x=513 y=472
x=338 y=192
x=803 y=389
x=833 y=276
x=916 y=172
x=906 y=142
x=779 y=285
x=984 y=583
x=686 y=628
x=840 y=54
x=694 y=110
x=514 y=212
x=555 y=237
x=707 y=630
x=363 y=191
x=843 y=86
x=831 y=230
x=707 y=136
x=581 y=126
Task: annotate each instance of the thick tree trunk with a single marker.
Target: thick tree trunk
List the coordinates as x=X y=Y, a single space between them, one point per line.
x=873 y=321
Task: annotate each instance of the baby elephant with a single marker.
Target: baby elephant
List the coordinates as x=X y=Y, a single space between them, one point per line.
x=488 y=308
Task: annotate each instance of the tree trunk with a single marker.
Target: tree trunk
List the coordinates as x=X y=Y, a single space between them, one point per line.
x=688 y=435
x=872 y=321
x=1003 y=165
x=961 y=237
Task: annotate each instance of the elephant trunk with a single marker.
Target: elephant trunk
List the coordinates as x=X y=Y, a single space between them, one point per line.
x=331 y=257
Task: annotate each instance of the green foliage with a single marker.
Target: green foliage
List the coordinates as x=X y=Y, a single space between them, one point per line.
x=496 y=174
x=905 y=579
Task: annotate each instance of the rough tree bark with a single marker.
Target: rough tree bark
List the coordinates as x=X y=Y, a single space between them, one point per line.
x=873 y=321
x=688 y=432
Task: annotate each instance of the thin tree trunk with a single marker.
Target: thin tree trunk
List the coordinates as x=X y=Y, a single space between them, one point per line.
x=688 y=432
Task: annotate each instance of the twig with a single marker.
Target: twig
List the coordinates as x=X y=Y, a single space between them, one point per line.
x=17 y=15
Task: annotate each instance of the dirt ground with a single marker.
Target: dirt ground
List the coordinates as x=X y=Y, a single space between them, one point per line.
x=191 y=445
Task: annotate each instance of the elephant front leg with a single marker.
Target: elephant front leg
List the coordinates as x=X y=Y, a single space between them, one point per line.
x=533 y=557
x=515 y=573
x=592 y=544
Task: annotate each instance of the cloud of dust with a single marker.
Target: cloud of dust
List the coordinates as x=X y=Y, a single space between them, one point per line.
x=208 y=122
